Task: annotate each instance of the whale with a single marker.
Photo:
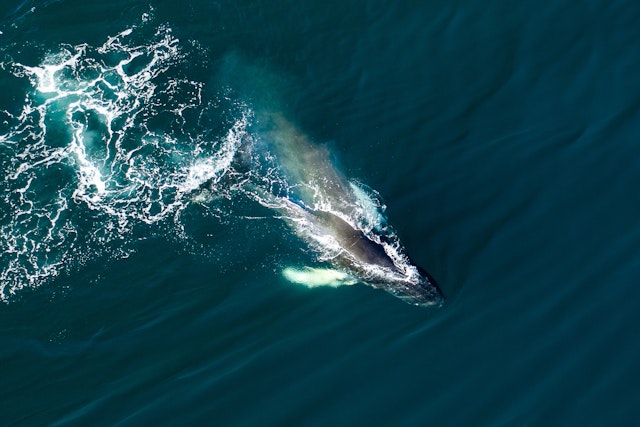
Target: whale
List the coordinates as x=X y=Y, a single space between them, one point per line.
x=341 y=221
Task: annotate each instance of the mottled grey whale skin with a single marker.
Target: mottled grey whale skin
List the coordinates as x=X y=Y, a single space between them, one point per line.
x=424 y=291
x=354 y=241
x=315 y=181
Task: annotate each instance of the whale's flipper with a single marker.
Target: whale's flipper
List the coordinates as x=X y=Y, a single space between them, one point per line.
x=315 y=277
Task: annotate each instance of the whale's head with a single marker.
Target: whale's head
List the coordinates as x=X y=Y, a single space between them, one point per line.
x=368 y=259
x=426 y=291
x=416 y=287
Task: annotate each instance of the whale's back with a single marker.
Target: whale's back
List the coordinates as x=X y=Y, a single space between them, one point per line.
x=354 y=241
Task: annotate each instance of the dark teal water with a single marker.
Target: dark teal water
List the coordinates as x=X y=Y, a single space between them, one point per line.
x=140 y=288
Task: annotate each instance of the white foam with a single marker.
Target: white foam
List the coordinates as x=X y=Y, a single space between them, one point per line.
x=85 y=166
x=371 y=209
x=86 y=124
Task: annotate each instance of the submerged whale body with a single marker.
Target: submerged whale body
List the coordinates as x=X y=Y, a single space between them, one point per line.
x=363 y=249
x=337 y=218
x=421 y=290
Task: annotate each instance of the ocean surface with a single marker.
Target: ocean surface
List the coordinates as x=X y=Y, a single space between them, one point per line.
x=141 y=277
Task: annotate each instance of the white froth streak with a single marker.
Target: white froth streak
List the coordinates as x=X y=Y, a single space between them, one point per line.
x=92 y=185
x=89 y=174
x=372 y=212
x=133 y=96
x=214 y=167
x=45 y=74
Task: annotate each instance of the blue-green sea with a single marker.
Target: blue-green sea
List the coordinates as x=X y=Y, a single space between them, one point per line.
x=146 y=221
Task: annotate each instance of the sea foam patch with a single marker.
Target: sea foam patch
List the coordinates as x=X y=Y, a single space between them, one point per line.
x=108 y=139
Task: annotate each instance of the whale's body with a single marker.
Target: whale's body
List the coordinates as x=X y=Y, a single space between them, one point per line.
x=354 y=241
x=337 y=218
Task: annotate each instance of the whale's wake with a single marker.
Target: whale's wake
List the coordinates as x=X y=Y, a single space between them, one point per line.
x=117 y=139
x=108 y=140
